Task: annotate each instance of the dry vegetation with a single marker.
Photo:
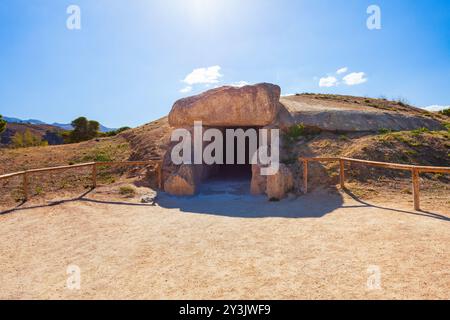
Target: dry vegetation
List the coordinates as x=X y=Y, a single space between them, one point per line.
x=142 y=143
x=13 y=160
x=399 y=106
x=419 y=147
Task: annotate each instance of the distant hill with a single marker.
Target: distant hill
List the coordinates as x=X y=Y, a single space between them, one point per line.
x=51 y=134
x=64 y=126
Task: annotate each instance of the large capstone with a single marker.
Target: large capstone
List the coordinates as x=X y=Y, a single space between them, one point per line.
x=255 y=105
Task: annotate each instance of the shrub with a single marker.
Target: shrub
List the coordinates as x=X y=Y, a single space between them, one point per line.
x=447 y=125
x=402 y=102
x=27 y=139
x=419 y=131
x=445 y=112
x=384 y=131
x=127 y=191
x=296 y=131
x=2 y=124
x=114 y=132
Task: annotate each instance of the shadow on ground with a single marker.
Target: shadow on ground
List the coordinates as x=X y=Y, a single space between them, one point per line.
x=231 y=198
x=82 y=198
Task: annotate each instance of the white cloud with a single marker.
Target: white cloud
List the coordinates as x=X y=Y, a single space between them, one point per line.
x=203 y=76
x=342 y=70
x=436 y=108
x=355 y=78
x=186 y=89
x=328 y=82
x=240 y=84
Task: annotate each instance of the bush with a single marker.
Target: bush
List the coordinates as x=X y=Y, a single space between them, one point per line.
x=2 y=124
x=419 y=131
x=447 y=125
x=384 y=131
x=296 y=131
x=114 y=132
x=27 y=139
x=127 y=191
x=445 y=112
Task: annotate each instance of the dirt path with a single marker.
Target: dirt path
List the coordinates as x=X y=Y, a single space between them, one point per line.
x=225 y=246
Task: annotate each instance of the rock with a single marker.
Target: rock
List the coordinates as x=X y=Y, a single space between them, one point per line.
x=279 y=184
x=182 y=182
x=258 y=184
x=255 y=105
x=329 y=116
x=149 y=198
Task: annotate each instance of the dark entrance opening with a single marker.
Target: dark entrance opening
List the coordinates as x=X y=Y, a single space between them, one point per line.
x=235 y=171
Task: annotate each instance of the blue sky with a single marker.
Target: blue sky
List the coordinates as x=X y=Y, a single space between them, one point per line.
x=131 y=60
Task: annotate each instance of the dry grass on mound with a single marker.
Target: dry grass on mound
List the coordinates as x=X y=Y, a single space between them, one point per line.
x=13 y=160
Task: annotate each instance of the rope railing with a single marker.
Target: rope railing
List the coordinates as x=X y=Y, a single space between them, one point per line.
x=415 y=171
x=26 y=173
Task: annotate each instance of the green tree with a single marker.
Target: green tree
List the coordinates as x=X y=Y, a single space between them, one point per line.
x=114 y=132
x=17 y=140
x=445 y=112
x=27 y=139
x=84 y=129
x=2 y=124
x=93 y=129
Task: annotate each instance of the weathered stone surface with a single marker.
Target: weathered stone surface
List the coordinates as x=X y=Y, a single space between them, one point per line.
x=182 y=182
x=255 y=105
x=347 y=118
x=278 y=185
x=258 y=183
x=149 y=198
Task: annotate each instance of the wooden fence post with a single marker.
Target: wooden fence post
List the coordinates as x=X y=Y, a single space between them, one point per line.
x=94 y=175
x=342 y=173
x=25 y=186
x=305 y=176
x=416 y=189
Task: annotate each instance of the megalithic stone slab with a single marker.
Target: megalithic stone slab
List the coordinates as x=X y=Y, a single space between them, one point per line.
x=252 y=105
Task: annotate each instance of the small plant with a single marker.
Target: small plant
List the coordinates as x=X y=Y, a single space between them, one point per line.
x=127 y=191
x=419 y=131
x=296 y=131
x=384 y=131
x=411 y=152
x=407 y=191
x=102 y=157
x=447 y=125
x=38 y=190
x=446 y=112
x=402 y=102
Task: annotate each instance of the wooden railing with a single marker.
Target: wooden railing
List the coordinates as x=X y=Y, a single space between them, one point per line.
x=415 y=171
x=26 y=173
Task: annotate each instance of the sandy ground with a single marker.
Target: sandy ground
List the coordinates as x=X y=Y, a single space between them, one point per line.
x=225 y=245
